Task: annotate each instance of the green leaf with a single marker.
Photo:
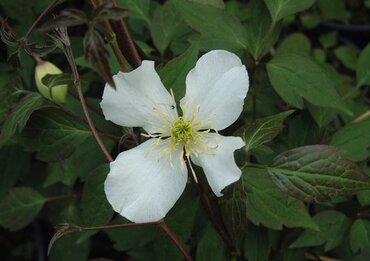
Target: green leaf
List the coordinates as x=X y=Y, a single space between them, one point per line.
x=296 y=77
x=20 y=207
x=139 y=9
x=67 y=248
x=14 y=162
x=269 y=206
x=173 y=74
x=359 y=236
x=215 y=3
x=264 y=130
x=51 y=80
x=165 y=25
x=256 y=244
x=333 y=229
x=333 y=10
x=317 y=173
x=210 y=245
x=354 y=140
x=363 y=67
x=18 y=118
x=296 y=43
x=347 y=56
x=283 y=8
x=218 y=29
x=257 y=26
x=54 y=134
x=96 y=210
x=233 y=206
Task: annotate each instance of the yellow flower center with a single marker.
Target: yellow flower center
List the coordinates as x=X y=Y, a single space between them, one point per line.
x=183 y=132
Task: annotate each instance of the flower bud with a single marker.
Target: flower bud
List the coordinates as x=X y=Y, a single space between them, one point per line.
x=57 y=93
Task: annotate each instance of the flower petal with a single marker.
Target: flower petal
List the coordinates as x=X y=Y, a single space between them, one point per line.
x=140 y=100
x=143 y=185
x=216 y=87
x=219 y=165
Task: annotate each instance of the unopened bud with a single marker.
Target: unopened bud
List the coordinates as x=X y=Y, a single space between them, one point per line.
x=56 y=93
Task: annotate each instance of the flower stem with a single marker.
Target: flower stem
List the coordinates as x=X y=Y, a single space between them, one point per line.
x=77 y=81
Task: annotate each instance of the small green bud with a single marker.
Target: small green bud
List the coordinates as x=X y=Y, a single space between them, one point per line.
x=57 y=93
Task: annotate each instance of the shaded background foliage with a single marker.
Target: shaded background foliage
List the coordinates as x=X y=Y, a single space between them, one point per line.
x=309 y=66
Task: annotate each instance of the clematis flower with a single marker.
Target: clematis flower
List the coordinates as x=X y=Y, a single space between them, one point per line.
x=145 y=182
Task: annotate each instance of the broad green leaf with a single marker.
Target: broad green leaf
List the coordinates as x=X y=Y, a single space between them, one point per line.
x=14 y=161
x=283 y=8
x=20 y=207
x=67 y=248
x=322 y=116
x=139 y=9
x=347 y=56
x=54 y=134
x=363 y=67
x=256 y=244
x=173 y=74
x=165 y=25
x=259 y=23
x=269 y=206
x=317 y=173
x=359 y=236
x=218 y=29
x=296 y=77
x=354 y=140
x=18 y=118
x=233 y=206
x=333 y=10
x=264 y=130
x=215 y=3
x=210 y=245
x=295 y=44
x=333 y=226
x=329 y=40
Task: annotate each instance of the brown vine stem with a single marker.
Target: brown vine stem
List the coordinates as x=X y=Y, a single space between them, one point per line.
x=217 y=222
x=77 y=82
x=46 y=10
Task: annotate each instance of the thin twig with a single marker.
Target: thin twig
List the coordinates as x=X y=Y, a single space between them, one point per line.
x=46 y=10
x=77 y=82
x=362 y=117
x=170 y=234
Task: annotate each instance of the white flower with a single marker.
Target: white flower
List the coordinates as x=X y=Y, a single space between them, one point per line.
x=145 y=182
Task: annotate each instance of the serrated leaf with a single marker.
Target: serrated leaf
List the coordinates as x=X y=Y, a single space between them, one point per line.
x=363 y=67
x=233 y=206
x=20 y=207
x=14 y=162
x=214 y=25
x=264 y=130
x=20 y=115
x=165 y=25
x=210 y=245
x=283 y=8
x=269 y=206
x=333 y=226
x=296 y=77
x=354 y=140
x=173 y=74
x=317 y=173
x=96 y=210
x=54 y=134
x=139 y=9
x=359 y=235
x=97 y=55
x=257 y=26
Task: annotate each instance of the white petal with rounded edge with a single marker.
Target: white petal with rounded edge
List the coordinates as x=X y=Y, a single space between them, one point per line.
x=143 y=185
x=140 y=100
x=216 y=86
x=219 y=164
